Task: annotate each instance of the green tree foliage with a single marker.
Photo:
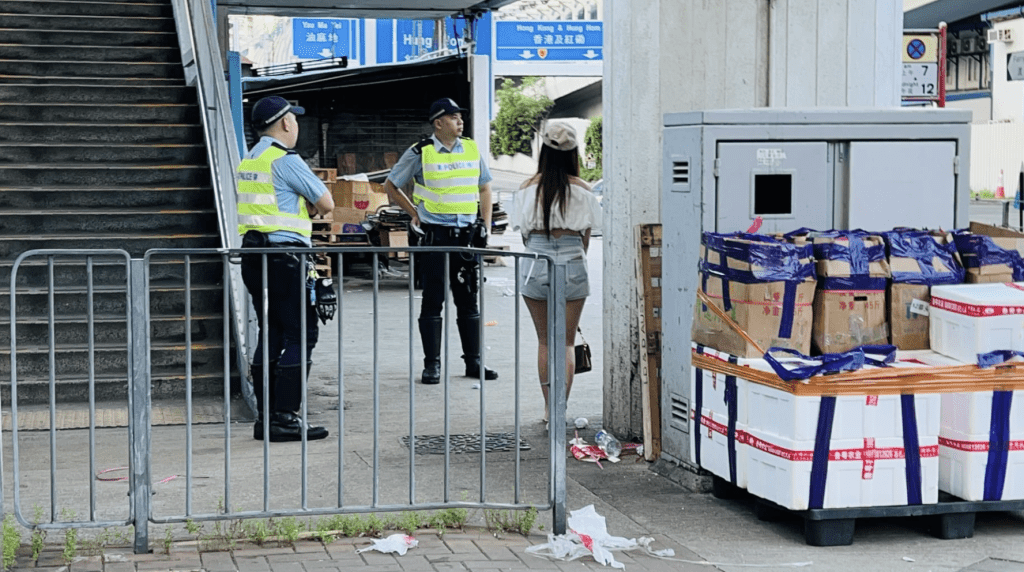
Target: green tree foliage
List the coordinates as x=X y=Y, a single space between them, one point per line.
x=520 y=111
x=594 y=151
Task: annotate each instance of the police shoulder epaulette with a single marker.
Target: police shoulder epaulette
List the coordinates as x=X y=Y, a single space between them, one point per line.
x=283 y=148
x=418 y=147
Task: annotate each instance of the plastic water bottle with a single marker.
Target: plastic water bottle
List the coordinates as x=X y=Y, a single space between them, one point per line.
x=608 y=442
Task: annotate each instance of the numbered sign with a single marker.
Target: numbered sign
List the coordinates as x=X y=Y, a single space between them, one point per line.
x=921 y=80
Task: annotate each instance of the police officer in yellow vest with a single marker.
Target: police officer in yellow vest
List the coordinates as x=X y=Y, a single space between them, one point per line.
x=452 y=188
x=277 y=192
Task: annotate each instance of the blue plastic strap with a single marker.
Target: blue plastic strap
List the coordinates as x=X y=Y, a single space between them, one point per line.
x=704 y=288
x=698 y=406
x=856 y=282
x=726 y=300
x=912 y=447
x=731 y=406
x=788 y=310
x=922 y=247
x=822 y=441
x=996 y=357
x=770 y=260
x=858 y=256
x=998 y=445
x=877 y=355
x=978 y=250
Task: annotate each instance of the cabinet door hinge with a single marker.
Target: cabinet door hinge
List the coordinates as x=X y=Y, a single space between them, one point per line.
x=718 y=163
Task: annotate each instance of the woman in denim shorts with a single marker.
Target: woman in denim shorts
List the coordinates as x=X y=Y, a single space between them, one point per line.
x=556 y=212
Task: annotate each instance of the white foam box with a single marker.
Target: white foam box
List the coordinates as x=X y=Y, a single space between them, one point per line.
x=964 y=445
x=861 y=472
x=780 y=413
x=968 y=319
x=714 y=454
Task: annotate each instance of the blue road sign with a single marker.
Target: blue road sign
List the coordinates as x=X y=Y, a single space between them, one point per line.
x=414 y=38
x=915 y=49
x=316 y=38
x=561 y=40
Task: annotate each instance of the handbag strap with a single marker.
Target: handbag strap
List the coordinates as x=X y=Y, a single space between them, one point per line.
x=578 y=330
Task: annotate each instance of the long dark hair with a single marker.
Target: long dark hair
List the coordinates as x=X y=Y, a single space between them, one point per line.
x=554 y=169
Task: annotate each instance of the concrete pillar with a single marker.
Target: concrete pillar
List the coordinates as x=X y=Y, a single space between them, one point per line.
x=686 y=55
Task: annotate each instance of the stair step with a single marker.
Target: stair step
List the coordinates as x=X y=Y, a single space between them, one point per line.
x=83 y=53
x=165 y=383
x=207 y=357
x=113 y=174
x=72 y=92
x=42 y=153
x=53 y=37
x=74 y=8
x=110 y=299
x=71 y=70
x=57 y=196
x=136 y=245
x=140 y=133
x=111 y=329
x=96 y=23
x=160 y=114
x=33 y=272
x=87 y=222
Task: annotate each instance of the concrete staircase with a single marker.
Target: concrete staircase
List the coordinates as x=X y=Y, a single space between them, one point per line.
x=101 y=147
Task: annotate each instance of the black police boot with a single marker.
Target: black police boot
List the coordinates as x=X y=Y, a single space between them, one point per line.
x=469 y=331
x=285 y=424
x=430 y=334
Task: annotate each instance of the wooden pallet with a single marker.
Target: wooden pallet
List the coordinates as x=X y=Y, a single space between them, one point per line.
x=649 y=239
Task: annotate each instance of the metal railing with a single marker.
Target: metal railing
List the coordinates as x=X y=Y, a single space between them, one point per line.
x=204 y=69
x=229 y=476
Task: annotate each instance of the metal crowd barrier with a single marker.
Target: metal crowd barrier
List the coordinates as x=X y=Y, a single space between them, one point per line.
x=347 y=479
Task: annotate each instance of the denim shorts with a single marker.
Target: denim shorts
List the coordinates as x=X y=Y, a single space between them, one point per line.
x=568 y=249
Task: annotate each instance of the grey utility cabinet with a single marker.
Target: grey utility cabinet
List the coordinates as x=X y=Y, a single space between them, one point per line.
x=819 y=168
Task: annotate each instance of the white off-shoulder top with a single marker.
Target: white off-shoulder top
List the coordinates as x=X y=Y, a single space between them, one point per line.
x=583 y=212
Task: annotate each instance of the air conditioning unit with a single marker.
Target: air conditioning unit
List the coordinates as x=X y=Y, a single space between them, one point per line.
x=967 y=45
x=1006 y=35
x=953 y=47
x=993 y=35
x=980 y=43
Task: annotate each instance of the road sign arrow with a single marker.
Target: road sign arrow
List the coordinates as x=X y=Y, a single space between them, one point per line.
x=590 y=54
x=325 y=53
x=527 y=54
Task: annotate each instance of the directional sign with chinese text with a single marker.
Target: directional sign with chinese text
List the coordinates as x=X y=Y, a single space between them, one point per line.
x=921 y=80
x=1015 y=66
x=563 y=40
x=316 y=38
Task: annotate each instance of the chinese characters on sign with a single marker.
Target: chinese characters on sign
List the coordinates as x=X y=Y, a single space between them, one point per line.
x=316 y=38
x=566 y=40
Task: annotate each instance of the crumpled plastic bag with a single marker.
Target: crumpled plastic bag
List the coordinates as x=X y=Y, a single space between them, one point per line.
x=588 y=534
x=399 y=543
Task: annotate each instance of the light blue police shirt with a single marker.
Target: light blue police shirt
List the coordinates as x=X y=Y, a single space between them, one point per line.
x=411 y=165
x=293 y=180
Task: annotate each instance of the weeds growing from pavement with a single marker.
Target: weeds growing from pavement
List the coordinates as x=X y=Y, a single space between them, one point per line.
x=11 y=540
x=501 y=521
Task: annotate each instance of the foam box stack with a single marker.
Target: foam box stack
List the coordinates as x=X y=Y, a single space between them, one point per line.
x=866 y=450
x=712 y=395
x=981 y=445
x=968 y=319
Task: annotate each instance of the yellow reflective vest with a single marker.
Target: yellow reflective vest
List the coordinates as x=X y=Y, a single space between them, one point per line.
x=257 y=200
x=451 y=180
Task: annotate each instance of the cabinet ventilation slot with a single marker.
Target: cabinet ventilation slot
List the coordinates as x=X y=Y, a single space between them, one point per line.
x=680 y=172
x=680 y=413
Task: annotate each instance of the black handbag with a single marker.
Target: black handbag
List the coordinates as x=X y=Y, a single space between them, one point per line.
x=583 y=362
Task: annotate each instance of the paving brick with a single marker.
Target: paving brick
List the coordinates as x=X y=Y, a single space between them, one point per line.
x=378 y=558
x=310 y=546
x=415 y=563
x=326 y=565
x=462 y=546
x=492 y=565
x=495 y=549
x=292 y=566
x=448 y=566
x=252 y=563
x=118 y=567
x=182 y=564
x=264 y=551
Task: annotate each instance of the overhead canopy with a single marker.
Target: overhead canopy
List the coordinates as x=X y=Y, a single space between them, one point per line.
x=401 y=9
x=951 y=11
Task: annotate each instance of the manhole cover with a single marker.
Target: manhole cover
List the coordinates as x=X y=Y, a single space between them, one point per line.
x=466 y=443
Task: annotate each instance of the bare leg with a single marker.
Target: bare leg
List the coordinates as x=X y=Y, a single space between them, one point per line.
x=539 y=312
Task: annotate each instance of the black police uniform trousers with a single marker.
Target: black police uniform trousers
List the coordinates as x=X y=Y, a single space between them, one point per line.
x=461 y=273
x=284 y=328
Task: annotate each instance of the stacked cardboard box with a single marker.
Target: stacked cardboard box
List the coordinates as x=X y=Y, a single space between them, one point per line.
x=918 y=260
x=354 y=199
x=764 y=284
x=991 y=254
x=849 y=305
